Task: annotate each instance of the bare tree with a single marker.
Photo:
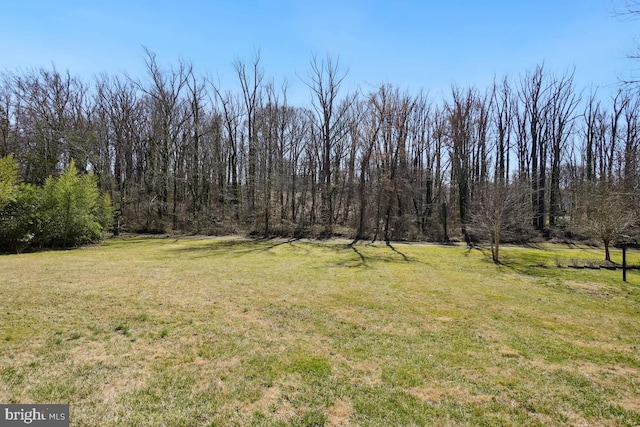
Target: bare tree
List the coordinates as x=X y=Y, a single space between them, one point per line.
x=251 y=85
x=271 y=123
x=51 y=121
x=631 y=7
x=603 y=212
x=164 y=92
x=630 y=10
x=562 y=105
x=425 y=151
x=7 y=116
x=631 y=150
x=503 y=101
x=368 y=129
x=325 y=80
x=467 y=116
x=533 y=92
x=231 y=113
x=120 y=116
x=196 y=132
x=594 y=132
x=298 y=136
x=500 y=207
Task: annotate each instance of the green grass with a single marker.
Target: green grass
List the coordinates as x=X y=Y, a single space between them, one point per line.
x=218 y=332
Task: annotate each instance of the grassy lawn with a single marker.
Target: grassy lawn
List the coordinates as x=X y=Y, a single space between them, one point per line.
x=206 y=332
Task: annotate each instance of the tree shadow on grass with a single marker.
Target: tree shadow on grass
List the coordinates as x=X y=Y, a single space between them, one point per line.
x=503 y=265
x=390 y=246
x=365 y=260
x=232 y=247
x=484 y=251
x=350 y=255
x=536 y=263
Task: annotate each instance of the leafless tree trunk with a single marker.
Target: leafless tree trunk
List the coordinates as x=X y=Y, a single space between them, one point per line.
x=231 y=123
x=604 y=213
x=467 y=132
x=325 y=80
x=251 y=84
x=164 y=92
x=563 y=102
x=197 y=132
x=52 y=118
x=499 y=207
x=533 y=92
x=370 y=130
x=503 y=117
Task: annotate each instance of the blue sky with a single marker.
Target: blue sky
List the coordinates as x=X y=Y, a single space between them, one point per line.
x=413 y=44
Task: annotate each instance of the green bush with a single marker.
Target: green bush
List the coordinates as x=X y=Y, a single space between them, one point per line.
x=8 y=180
x=71 y=204
x=21 y=220
x=65 y=212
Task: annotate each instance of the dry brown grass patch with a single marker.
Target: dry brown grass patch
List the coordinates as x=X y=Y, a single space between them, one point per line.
x=438 y=393
x=339 y=412
x=594 y=289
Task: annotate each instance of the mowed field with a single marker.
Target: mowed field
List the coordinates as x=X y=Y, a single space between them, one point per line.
x=227 y=332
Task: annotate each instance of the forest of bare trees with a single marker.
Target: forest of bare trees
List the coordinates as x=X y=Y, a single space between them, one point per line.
x=532 y=156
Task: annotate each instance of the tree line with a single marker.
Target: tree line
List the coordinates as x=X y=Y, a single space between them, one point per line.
x=526 y=157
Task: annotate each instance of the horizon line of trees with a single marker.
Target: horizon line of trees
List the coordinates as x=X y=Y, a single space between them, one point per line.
x=526 y=157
